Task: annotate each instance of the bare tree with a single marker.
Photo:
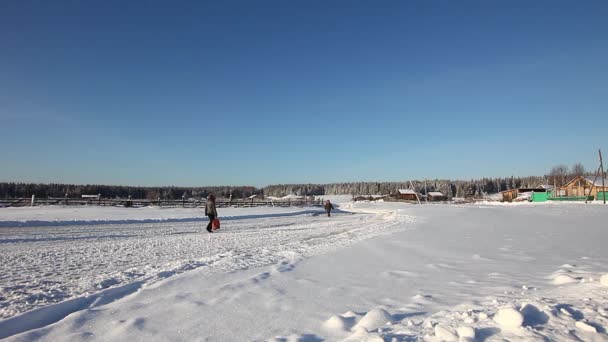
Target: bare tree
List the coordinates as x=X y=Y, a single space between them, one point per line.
x=577 y=170
x=557 y=175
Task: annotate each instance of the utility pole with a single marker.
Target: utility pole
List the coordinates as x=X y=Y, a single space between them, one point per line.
x=593 y=184
x=600 y=172
x=603 y=177
x=415 y=192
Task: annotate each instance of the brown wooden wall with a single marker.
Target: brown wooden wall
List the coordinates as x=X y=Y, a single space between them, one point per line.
x=582 y=187
x=509 y=195
x=407 y=197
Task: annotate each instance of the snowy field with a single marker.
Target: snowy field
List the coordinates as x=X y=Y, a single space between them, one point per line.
x=371 y=272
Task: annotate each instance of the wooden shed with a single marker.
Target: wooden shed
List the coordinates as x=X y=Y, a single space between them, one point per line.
x=407 y=194
x=509 y=195
x=436 y=196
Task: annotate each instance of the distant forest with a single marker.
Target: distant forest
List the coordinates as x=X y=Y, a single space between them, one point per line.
x=16 y=190
x=459 y=188
x=558 y=175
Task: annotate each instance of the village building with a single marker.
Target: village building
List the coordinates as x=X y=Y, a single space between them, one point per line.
x=436 y=196
x=582 y=186
x=539 y=194
x=542 y=194
x=407 y=195
x=509 y=195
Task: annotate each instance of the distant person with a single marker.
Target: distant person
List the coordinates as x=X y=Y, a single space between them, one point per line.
x=328 y=207
x=210 y=211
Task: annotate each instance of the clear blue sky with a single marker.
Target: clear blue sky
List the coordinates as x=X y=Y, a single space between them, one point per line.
x=264 y=92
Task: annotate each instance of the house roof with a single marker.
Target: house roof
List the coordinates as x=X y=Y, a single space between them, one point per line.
x=435 y=193
x=407 y=191
x=588 y=179
x=524 y=190
x=598 y=181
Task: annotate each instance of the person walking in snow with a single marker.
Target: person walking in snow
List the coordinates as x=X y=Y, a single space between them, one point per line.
x=210 y=211
x=328 y=207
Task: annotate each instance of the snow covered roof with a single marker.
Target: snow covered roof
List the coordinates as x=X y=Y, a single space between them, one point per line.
x=588 y=179
x=598 y=181
x=435 y=193
x=292 y=196
x=546 y=186
x=407 y=191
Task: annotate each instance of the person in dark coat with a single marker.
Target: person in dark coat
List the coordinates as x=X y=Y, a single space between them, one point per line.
x=328 y=207
x=210 y=211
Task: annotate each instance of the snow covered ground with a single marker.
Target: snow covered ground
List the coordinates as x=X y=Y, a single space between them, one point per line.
x=373 y=271
x=86 y=215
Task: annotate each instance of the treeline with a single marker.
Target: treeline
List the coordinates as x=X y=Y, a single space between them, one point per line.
x=451 y=188
x=458 y=188
x=17 y=190
x=558 y=176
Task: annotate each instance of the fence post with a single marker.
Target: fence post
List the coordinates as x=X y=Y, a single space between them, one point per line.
x=33 y=199
x=183 y=201
x=159 y=202
x=66 y=199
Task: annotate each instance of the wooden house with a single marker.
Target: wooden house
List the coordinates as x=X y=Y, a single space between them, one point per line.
x=407 y=194
x=436 y=196
x=582 y=186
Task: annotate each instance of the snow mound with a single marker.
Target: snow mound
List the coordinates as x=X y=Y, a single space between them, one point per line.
x=336 y=322
x=562 y=279
x=466 y=332
x=349 y=313
x=374 y=319
x=444 y=333
x=361 y=334
x=604 y=280
x=509 y=318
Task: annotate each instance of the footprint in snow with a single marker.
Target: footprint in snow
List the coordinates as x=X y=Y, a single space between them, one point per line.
x=260 y=277
x=285 y=266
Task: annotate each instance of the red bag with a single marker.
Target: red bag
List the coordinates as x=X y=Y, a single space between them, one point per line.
x=215 y=225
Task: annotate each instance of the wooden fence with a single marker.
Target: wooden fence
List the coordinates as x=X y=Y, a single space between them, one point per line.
x=184 y=203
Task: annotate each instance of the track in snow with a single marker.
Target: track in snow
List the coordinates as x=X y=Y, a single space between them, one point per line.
x=40 y=266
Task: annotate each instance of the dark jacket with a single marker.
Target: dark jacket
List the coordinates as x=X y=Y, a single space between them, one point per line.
x=210 y=208
x=328 y=206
